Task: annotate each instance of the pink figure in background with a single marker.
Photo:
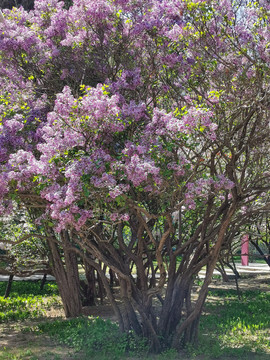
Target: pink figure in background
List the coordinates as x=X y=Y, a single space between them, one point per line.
x=244 y=250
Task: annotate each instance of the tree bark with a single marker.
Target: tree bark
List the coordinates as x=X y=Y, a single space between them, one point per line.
x=188 y=329
x=266 y=258
x=9 y=284
x=91 y=285
x=67 y=279
x=43 y=281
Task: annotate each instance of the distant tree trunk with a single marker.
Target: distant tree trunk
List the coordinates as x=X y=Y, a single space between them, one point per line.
x=265 y=258
x=43 y=281
x=9 y=284
x=112 y=277
x=101 y=291
x=91 y=285
x=220 y=267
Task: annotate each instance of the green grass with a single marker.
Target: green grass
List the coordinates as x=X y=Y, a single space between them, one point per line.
x=26 y=300
x=27 y=287
x=99 y=339
x=252 y=258
x=232 y=327
x=20 y=308
x=23 y=354
x=229 y=328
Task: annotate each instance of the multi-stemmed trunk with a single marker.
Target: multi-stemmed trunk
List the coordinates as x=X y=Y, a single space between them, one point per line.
x=65 y=271
x=159 y=304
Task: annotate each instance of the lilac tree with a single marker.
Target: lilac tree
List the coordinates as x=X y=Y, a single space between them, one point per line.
x=144 y=129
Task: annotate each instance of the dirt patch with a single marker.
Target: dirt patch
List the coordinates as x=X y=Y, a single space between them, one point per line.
x=16 y=342
x=246 y=283
x=33 y=347
x=103 y=311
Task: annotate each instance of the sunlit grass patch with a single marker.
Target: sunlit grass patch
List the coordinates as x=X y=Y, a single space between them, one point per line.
x=20 y=308
x=28 y=287
x=27 y=300
x=234 y=327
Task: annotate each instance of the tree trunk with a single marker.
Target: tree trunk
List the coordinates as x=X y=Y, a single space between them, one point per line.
x=91 y=285
x=9 y=284
x=187 y=331
x=43 y=281
x=67 y=279
x=221 y=269
x=101 y=290
x=265 y=258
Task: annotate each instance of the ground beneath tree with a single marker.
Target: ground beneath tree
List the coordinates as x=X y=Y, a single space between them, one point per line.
x=17 y=342
x=247 y=282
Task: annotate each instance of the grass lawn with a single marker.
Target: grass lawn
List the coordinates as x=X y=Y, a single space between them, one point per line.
x=32 y=327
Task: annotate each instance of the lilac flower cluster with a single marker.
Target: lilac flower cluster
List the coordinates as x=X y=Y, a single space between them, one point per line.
x=129 y=79
x=202 y=187
x=156 y=86
x=195 y=119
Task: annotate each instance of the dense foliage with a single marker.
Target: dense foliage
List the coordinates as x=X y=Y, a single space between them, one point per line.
x=136 y=132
